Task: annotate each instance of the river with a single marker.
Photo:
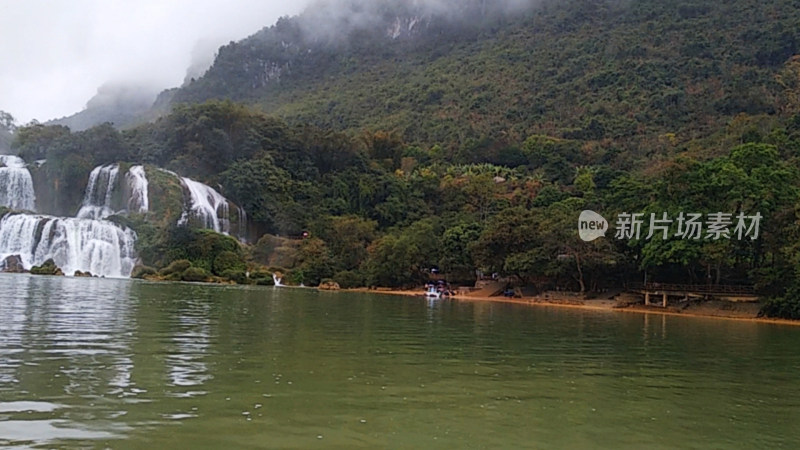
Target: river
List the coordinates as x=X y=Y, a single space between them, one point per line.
x=128 y=364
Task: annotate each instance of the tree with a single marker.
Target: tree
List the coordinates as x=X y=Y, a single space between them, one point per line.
x=7 y=122
x=314 y=261
x=34 y=141
x=7 y=128
x=348 y=238
x=384 y=147
x=259 y=187
x=402 y=258
x=457 y=260
x=511 y=231
x=585 y=262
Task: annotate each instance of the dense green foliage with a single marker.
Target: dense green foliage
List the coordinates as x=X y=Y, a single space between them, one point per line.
x=210 y=251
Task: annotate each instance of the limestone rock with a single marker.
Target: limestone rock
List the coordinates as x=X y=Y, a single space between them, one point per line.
x=328 y=285
x=12 y=264
x=47 y=268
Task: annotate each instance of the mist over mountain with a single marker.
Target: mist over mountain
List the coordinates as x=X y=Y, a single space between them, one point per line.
x=336 y=20
x=123 y=104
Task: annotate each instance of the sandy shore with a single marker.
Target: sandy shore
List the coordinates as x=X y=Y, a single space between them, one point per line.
x=746 y=312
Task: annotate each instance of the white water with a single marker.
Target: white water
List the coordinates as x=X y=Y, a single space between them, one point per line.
x=277 y=280
x=99 y=193
x=137 y=183
x=207 y=206
x=16 y=184
x=242 y=225
x=97 y=246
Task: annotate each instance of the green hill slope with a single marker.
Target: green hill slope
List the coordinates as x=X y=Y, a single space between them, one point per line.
x=625 y=71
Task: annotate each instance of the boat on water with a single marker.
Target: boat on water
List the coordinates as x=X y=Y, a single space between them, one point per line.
x=432 y=292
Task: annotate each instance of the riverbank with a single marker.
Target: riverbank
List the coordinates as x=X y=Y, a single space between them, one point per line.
x=738 y=311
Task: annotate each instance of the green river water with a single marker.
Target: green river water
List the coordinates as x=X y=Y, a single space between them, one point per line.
x=125 y=364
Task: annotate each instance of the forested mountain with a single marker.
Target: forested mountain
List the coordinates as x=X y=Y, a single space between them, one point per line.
x=475 y=74
x=395 y=137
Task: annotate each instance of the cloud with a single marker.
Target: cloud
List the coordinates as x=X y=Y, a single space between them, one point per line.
x=55 y=55
x=334 y=19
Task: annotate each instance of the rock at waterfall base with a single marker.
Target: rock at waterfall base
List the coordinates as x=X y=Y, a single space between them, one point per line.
x=49 y=267
x=12 y=264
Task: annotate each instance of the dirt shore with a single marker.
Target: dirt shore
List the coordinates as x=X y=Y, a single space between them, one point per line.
x=747 y=312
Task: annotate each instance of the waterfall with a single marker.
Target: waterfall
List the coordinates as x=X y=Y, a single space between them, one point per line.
x=207 y=206
x=16 y=184
x=242 y=225
x=97 y=246
x=137 y=184
x=277 y=280
x=99 y=193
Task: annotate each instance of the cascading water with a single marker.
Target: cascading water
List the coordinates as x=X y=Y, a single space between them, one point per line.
x=87 y=242
x=208 y=207
x=242 y=225
x=97 y=201
x=137 y=184
x=97 y=246
x=276 y=280
x=16 y=184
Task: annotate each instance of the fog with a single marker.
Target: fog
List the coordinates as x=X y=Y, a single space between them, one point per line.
x=331 y=19
x=57 y=54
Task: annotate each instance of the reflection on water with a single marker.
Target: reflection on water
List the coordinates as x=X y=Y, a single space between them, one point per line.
x=92 y=362
x=190 y=345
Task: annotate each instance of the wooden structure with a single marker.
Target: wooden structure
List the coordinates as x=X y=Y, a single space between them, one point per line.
x=685 y=292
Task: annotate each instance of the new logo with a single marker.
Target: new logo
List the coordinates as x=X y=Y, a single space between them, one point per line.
x=591 y=226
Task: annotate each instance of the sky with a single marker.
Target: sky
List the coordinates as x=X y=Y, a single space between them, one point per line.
x=55 y=54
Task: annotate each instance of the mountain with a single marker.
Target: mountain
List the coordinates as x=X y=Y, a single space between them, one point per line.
x=122 y=104
x=620 y=73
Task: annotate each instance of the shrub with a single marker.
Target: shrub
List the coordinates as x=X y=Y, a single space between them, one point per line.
x=349 y=279
x=47 y=268
x=228 y=261
x=194 y=274
x=200 y=247
x=294 y=277
x=237 y=276
x=260 y=274
x=781 y=307
x=142 y=272
x=178 y=266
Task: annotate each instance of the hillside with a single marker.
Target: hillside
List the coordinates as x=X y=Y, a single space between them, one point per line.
x=618 y=73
